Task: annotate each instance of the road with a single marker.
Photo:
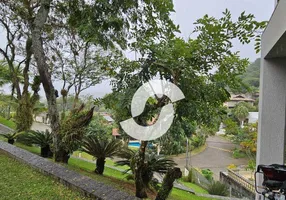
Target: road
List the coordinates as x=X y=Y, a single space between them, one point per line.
x=37 y=126
x=216 y=157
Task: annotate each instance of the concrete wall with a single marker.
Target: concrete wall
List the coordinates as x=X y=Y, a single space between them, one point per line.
x=236 y=189
x=271 y=129
x=274 y=32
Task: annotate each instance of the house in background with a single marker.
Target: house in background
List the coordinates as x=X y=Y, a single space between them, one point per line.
x=272 y=100
x=107 y=117
x=115 y=133
x=235 y=99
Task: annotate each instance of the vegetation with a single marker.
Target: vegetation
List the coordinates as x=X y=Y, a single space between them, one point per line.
x=197 y=189
x=116 y=178
x=208 y=174
x=250 y=78
x=101 y=149
x=241 y=113
x=7 y=123
x=22 y=182
x=73 y=129
x=43 y=139
x=204 y=91
x=247 y=139
x=167 y=185
x=218 y=188
x=99 y=128
x=81 y=43
x=153 y=163
x=11 y=137
x=251 y=165
x=231 y=127
x=237 y=153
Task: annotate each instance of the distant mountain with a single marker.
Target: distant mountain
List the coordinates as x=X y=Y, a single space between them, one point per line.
x=250 y=79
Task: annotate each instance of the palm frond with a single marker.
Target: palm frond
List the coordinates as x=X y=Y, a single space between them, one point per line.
x=40 y=138
x=102 y=148
x=10 y=135
x=154 y=162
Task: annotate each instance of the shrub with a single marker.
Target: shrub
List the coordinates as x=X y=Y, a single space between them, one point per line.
x=232 y=166
x=43 y=139
x=11 y=137
x=231 y=127
x=238 y=154
x=208 y=174
x=218 y=188
x=197 y=141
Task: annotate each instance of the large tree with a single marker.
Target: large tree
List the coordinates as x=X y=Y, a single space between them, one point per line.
x=18 y=56
x=241 y=113
x=203 y=68
x=77 y=63
x=109 y=24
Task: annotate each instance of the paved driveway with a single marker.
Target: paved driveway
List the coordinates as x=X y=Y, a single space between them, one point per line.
x=216 y=157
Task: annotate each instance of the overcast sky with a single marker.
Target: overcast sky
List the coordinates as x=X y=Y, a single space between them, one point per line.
x=187 y=11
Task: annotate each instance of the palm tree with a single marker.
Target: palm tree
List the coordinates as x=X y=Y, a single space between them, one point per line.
x=43 y=139
x=153 y=163
x=11 y=137
x=241 y=113
x=6 y=78
x=101 y=149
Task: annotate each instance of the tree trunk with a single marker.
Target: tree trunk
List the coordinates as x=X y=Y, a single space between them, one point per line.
x=167 y=184
x=100 y=162
x=45 y=76
x=64 y=107
x=11 y=100
x=46 y=152
x=139 y=171
x=62 y=156
x=24 y=113
x=11 y=141
x=76 y=99
x=242 y=124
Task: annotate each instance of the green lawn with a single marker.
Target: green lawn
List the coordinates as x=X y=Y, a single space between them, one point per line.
x=7 y=122
x=18 y=181
x=182 y=195
x=91 y=166
x=108 y=161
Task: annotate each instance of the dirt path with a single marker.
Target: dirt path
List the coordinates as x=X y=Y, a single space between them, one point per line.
x=216 y=157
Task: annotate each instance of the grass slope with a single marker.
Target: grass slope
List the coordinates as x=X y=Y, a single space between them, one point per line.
x=7 y=122
x=18 y=181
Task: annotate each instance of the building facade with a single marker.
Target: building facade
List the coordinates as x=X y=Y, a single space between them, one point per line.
x=235 y=99
x=272 y=108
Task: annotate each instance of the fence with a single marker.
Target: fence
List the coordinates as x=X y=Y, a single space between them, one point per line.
x=241 y=181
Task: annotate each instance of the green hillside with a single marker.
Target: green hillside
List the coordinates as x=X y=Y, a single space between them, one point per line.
x=252 y=74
